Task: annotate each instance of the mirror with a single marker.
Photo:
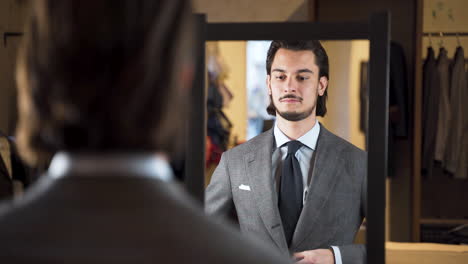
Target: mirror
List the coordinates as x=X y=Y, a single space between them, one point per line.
x=237 y=98
x=376 y=30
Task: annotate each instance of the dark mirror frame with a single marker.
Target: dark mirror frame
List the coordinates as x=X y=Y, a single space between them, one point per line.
x=377 y=30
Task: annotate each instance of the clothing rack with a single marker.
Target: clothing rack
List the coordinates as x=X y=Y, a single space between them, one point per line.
x=440 y=35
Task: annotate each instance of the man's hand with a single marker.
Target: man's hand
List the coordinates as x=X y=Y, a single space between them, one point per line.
x=316 y=256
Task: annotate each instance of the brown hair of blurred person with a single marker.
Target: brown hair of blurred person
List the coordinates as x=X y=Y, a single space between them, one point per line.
x=105 y=80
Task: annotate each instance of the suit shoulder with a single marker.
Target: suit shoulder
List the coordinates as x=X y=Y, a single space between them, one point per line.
x=348 y=147
x=252 y=144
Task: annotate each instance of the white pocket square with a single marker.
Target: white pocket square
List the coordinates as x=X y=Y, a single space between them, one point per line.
x=244 y=187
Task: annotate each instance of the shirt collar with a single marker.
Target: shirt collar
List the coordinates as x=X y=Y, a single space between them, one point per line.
x=309 y=139
x=142 y=165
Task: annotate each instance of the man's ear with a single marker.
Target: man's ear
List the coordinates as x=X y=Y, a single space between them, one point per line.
x=323 y=85
x=268 y=83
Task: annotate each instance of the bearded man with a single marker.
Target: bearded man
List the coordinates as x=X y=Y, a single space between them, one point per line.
x=298 y=187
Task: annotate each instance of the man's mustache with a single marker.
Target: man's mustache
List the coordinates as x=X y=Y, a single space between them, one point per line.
x=291 y=96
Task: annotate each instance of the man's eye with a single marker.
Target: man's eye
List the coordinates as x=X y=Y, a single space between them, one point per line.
x=302 y=78
x=280 y=77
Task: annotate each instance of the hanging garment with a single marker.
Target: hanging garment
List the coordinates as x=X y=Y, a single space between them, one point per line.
x=458 y=100
x=398 y=91
x=443 y=65
x=214 y=97
x=430 y=108
x=463 y=161
x=398 y=113
x=218 y=128
x=457 y=127
x=218 y=124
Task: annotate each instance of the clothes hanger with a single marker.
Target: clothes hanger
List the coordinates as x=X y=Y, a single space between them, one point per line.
x=458 y=39
x=441 y=41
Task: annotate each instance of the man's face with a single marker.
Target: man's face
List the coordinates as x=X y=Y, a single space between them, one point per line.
x=294 y=84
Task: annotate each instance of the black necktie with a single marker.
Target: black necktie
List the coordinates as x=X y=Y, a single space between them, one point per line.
x=291 y=188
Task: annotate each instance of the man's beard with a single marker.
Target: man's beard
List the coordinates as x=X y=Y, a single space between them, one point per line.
x=294 y=116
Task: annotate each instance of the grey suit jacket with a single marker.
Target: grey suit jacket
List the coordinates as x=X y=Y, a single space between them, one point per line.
x=334 y=208
x=456 y=158
x=444 y=115
x=118 y=219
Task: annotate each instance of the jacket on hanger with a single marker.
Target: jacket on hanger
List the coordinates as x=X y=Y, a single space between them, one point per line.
x=455 y=151
x=430 y=108
x=443 y=68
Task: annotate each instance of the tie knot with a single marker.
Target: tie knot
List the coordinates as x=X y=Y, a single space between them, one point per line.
x=293 y=146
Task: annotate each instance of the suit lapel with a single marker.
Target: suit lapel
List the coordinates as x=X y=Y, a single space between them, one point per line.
x=324 y=177
x=258 y=164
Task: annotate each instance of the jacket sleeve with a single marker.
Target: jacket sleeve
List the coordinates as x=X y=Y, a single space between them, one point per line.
x=353 y=254
x=218 y=194
x=357 y=253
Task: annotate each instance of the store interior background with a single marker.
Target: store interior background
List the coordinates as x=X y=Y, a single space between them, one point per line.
x=407 y=194
x=344 y=103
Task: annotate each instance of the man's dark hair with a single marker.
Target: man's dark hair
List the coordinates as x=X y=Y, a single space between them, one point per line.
x=321 y=60
x=103 y=76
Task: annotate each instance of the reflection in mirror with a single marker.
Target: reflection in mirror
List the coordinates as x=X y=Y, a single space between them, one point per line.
x=347 y=97
x=237 y=88
x=250 y=181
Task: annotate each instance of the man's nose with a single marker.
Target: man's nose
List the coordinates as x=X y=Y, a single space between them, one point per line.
x=290 y=86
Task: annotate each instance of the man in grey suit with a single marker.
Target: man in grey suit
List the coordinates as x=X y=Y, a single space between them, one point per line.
x=298 y=187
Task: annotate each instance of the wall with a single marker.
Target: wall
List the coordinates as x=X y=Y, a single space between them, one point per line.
x=252 y=11
x=337 y=118
x=234 y=55
x=445 y=16
x=12 y=13
x=343 y=105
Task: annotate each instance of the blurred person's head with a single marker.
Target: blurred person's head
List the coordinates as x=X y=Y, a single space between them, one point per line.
x=104 y=76
x=297 y=71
